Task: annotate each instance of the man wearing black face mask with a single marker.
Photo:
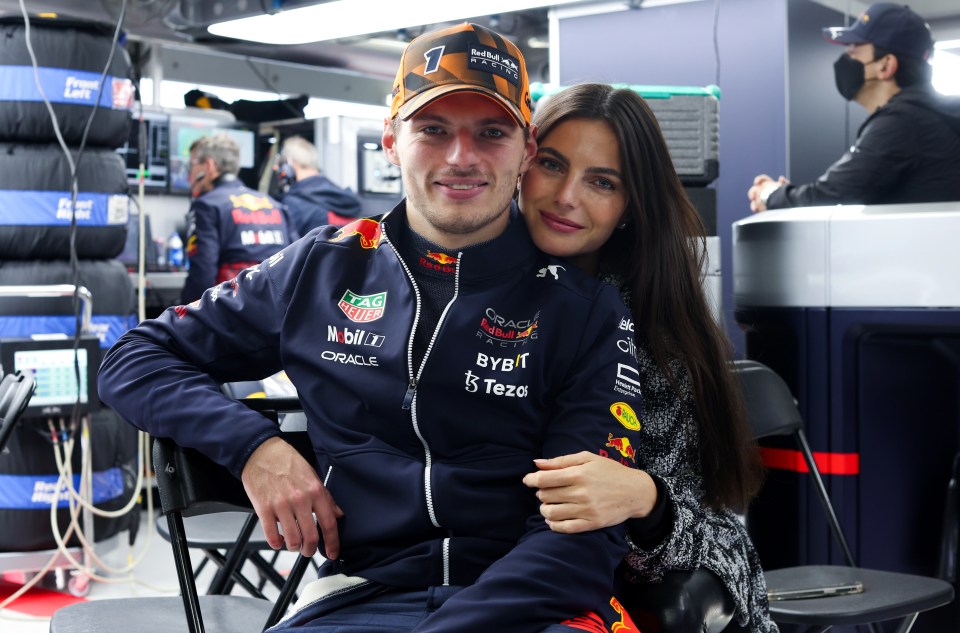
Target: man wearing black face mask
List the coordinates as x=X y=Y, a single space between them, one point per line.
x=908 y=149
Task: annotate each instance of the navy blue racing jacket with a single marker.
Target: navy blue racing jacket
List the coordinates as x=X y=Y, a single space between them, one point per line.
x=316 y=201
x=528 y=360
x=229 y=228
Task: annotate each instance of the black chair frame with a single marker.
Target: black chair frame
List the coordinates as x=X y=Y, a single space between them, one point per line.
x=772 y=411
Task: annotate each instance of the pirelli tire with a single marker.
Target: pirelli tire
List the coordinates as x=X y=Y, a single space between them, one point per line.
x=71 y=56
x=114 y=301
x=36 y=206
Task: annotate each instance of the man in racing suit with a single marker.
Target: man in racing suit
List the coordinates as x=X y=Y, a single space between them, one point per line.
x=229 y=226
x=436 y=353
x=908 y=149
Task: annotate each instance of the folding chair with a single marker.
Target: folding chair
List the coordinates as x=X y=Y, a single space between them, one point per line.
x=191 y=485
x=771 y=411
x=216 y=534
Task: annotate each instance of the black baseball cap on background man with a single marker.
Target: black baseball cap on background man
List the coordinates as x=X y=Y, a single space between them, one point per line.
x=887 y=25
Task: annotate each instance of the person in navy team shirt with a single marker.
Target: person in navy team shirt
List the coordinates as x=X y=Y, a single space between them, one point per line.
x=311 y=198
x=230 y=226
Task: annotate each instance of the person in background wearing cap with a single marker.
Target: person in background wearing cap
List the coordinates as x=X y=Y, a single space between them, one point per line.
x=437 y=353
x=908 y=149
x=311 y=198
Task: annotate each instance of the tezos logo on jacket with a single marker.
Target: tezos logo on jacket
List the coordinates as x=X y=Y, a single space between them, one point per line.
x=363 y=308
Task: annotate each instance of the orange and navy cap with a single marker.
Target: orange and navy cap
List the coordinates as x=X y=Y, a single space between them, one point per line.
x=462 y=58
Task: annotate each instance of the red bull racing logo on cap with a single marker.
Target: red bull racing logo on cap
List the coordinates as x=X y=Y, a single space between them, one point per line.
x=366 y=229
x=622 y=446
x=625 y=415
x=363 y=308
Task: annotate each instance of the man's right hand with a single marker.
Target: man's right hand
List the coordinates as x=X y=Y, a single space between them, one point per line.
x=284 y=488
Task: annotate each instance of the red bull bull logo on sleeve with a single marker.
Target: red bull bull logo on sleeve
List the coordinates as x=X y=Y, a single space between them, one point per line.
x=622 y=446
x=366 y=229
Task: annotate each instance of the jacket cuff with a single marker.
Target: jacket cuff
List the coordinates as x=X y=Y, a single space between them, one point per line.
x=237 y=465
x=646 y=533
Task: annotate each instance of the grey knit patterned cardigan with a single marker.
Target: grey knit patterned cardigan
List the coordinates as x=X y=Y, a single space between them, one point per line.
x=700 y=537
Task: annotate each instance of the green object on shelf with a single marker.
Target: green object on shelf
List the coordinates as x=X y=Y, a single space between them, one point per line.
x=539 y=90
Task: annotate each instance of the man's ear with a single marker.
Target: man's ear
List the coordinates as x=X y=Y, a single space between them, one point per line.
x=889 y=66
x=529 y=149
x=389 y=141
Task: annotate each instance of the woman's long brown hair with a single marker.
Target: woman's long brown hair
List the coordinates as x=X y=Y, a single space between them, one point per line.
x=660 y=255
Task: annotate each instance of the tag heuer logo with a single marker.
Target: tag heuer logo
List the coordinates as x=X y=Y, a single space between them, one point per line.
x=363 y=308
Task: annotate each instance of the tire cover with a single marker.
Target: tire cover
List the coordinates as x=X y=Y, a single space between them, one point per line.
x=35 y=203
x=114 y=302
x=28 y=474
x=70 y=58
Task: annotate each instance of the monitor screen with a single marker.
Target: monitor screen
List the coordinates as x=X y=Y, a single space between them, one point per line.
x=184 y=130
x=53 y=369
x=51 y=363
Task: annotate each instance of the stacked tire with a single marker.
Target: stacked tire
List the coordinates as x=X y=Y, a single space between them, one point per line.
x=41 y=214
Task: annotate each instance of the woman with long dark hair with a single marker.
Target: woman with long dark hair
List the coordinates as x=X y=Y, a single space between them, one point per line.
x=603 y=192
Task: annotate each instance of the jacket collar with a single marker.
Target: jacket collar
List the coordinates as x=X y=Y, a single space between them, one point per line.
x=510 y=251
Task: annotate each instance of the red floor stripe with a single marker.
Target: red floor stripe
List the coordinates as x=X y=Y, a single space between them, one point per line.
x=37 y=601
x=828 y=463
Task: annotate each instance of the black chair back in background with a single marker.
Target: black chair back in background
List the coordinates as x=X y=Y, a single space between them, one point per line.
x=885 y=595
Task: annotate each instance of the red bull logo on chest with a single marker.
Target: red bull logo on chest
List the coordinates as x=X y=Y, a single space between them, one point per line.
x=441 y=258
x=251 y=202
x=363 y=308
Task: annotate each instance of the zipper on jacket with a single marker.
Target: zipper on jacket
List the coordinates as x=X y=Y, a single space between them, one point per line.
x=410 y=397
x=446 y=562
x=412 y=386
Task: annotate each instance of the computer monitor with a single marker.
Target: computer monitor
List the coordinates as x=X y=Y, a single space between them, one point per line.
x=156 y=152
x=184 y=130
x=52 y=364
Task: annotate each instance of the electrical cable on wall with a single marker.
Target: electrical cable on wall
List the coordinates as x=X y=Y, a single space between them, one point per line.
x=716 y=42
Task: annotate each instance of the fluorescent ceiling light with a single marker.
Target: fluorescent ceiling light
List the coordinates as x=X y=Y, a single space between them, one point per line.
x=349 y=18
